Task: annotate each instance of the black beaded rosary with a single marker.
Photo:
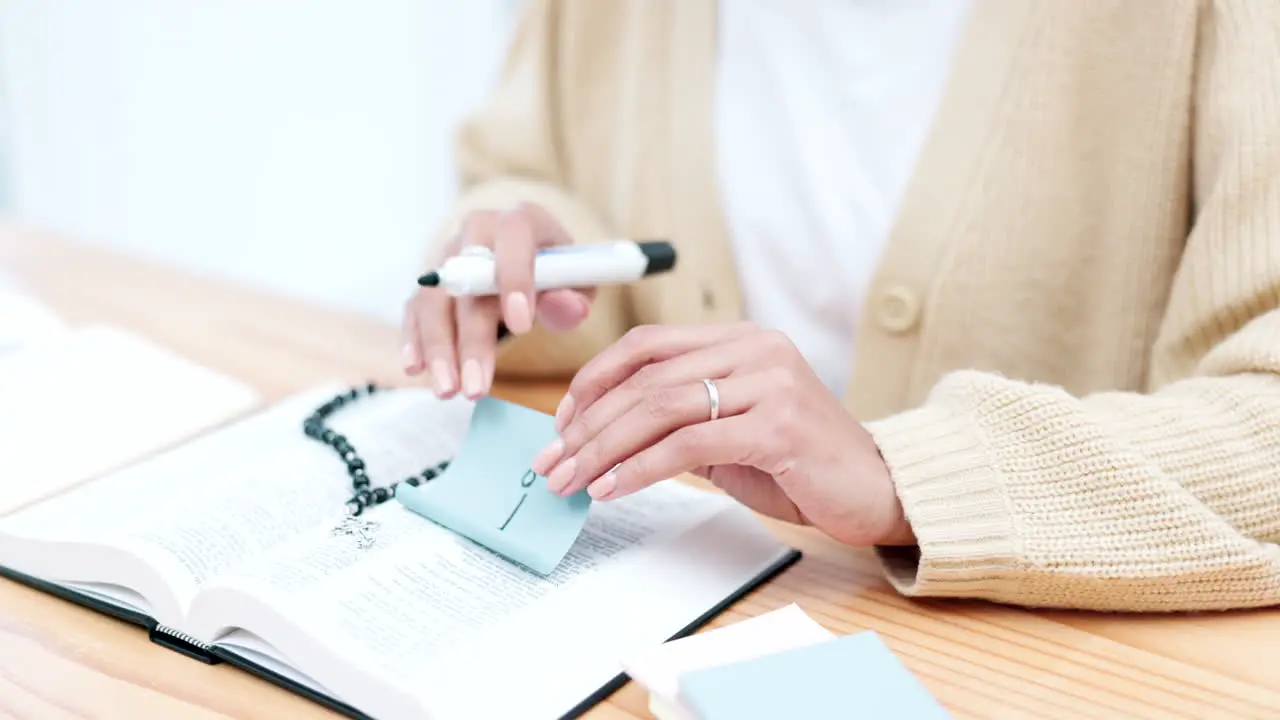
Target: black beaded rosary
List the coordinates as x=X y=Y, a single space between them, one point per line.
x=365 y=496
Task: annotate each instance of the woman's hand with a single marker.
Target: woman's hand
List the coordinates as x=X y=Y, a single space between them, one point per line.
x=782 y=445
x=457 y=338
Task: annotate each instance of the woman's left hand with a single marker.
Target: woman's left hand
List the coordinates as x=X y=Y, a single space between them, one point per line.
x=783 y=444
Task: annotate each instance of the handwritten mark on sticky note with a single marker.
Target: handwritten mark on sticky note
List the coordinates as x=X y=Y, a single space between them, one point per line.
x=490 y=496
x=852 y=676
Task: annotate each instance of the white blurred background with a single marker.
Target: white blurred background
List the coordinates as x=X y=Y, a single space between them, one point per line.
x=299 y=145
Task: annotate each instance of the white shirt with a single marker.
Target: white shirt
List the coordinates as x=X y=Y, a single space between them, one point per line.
x=822 y=109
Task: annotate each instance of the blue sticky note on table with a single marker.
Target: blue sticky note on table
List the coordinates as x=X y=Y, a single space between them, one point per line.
x=851 y=676
x=491 y=496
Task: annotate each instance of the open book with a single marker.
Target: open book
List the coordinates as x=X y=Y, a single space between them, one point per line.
x=223 y=548
x=77 y=403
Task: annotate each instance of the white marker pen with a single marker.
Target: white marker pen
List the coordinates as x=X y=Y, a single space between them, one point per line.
x=473 y=271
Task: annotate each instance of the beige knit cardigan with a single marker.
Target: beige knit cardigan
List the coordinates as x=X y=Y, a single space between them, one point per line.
x=1069 y=354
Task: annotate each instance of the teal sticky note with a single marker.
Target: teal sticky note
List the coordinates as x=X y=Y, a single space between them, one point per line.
x=491 y=496
x=851 y=676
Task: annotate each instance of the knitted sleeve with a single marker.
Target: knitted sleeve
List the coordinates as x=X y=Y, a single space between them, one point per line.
x=1159 y=501
x=508 y=152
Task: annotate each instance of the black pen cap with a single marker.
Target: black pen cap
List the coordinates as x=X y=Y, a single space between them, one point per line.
x=661 y=255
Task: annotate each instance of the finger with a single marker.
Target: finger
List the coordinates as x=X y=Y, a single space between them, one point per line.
x=639 y=347
x=411 y=344
x=477 y=229
x=663 y=412
x=430 y=316
x=562 y=310
x=433 y=319
x=548 y=230
x=714 y=362
x=557 y=310
x=514 y=245
x=726 y=441
x=477 y=319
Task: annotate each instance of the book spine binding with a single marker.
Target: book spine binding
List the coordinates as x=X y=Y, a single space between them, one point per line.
x=179 y=641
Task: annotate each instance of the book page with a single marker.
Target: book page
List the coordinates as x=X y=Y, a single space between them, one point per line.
x=79 y=404
x=24 y=319
x=425 y=611
x=203 y=508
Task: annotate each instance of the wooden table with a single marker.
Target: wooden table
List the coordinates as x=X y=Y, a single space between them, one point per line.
x=980 y=660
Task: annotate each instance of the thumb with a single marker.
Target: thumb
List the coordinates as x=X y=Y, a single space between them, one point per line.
x=562 y=310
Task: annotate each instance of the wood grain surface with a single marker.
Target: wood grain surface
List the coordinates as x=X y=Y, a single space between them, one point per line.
x=980 y=660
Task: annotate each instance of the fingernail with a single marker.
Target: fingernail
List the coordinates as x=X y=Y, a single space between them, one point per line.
x=564 y=412
x=519 y=316
x=472 y=379
x=409 y=355
x=443 y=378
x=560 y=478
x=605 y=485
x=548 y=458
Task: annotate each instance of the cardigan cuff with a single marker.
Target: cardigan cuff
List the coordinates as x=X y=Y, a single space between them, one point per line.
x=953 y=496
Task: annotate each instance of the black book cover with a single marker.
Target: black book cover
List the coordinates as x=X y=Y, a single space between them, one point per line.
x=184 y=645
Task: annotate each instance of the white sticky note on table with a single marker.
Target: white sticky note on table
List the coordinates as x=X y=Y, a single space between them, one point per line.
x=78 y=405
x=659 y=668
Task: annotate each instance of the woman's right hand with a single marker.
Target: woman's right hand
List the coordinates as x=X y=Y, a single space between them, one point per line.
x=455 y=339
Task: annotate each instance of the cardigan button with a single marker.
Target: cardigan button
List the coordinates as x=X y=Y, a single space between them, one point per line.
x=898 y=309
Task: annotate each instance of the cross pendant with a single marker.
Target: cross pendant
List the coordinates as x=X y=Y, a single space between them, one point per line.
x=359 y=528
